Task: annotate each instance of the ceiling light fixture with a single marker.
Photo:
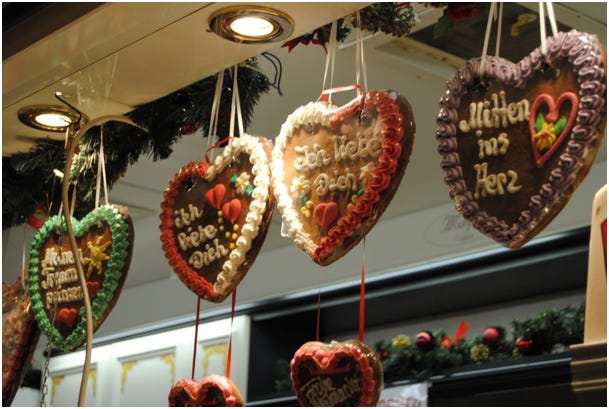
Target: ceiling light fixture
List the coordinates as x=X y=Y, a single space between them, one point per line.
x=53 y=118
x=251 y=24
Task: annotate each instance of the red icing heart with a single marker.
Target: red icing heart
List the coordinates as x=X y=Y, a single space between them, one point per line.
x=551 y=117
x=325 y=213
x=213 y=390
x=67 y=316
x=214 y=218
x=231 y=210
x=104 y=239
x=336 y=374
x=93 y=288
x=20 y=335
x=336 y=169
x=500 y=180
x=215 y=196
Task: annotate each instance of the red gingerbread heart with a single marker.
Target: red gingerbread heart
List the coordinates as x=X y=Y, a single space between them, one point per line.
x=214 y=218
x=516 y=143
x=549 y=130
x=20 y=336
x=336 y=170
x=325 y=213
x=336 y=374
x=213 y=390
x=105 y=242
x=232 y=210
x=215 y=196
x=67 y=316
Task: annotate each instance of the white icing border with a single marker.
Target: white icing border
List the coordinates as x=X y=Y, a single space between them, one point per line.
x=262 y=183
x=315 y=113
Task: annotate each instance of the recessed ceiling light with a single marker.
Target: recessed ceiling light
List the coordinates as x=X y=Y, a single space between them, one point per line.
x=52 y=118
x=251 y=24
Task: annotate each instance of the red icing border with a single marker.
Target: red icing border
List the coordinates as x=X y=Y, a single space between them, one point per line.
x=323 y=355
x=188 y=276
x=389 y=112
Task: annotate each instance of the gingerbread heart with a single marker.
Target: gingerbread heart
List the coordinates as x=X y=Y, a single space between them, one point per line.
x=516 y=143
x=214 y=218
x=105 y=243
x=336 y=169
x=337 y=374
x=213 y=390
x=20 y=336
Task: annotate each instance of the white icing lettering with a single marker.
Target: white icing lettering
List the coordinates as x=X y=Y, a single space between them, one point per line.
x=199 y=258
x=494 y=184
x=195 y=238
x=324 y=183
x=495 y=113
x=493 y=146
x=353 y=150
x=185 y=217
x=311 y=159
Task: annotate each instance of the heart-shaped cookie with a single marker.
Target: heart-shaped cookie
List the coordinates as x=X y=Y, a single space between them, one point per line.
x=337 y=374
x=213 y=390
x=516 y=143
x=214 y=218
x=335 y=170
x=20 y=336
x=105 y=243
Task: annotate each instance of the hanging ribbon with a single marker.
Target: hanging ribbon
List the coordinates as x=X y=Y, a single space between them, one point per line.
x=362 y=295
x=318 y=324
x=236 y=106
x=214 y=113
x=330 y=58
x=101 y=170
x=230 y=337
x=542 y=25
x=194 y=349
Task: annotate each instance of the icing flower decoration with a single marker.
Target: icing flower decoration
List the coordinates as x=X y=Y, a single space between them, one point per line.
x=366 y=172
x=97 y=256
x=546 y=133
x=301 y=186
x=401 y=341
x=242 y=183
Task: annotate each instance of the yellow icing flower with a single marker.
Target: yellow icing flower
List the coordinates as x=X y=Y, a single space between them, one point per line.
x=242 y=182
x=366 y=171
x=545 y=138
x=301 y=186
x=401 y=341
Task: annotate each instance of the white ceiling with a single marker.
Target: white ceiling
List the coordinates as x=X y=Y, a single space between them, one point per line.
x=124 y=54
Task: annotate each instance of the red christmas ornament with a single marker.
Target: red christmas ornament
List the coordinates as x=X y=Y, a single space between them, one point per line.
x=524 y=345
x=491 y=335
x=425 y=340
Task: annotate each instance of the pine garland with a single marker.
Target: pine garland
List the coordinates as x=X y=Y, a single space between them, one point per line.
x=551 y=331
x=28 y=181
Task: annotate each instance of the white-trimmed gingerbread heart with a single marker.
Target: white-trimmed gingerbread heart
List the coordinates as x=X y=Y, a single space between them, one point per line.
x=105 y=244
x=516 y=143
x=335 y=170
x=214 y=218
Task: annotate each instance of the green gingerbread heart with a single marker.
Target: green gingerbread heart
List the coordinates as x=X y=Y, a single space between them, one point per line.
x=105 y=243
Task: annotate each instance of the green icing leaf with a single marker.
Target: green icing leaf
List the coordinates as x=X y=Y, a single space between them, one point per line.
x=248 y=190
x=559 y=126
x=233 y=178
x=539 y=122
x=303 y=200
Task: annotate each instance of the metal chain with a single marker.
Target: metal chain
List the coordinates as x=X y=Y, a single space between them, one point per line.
x=45 y=375
x=45 y=372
